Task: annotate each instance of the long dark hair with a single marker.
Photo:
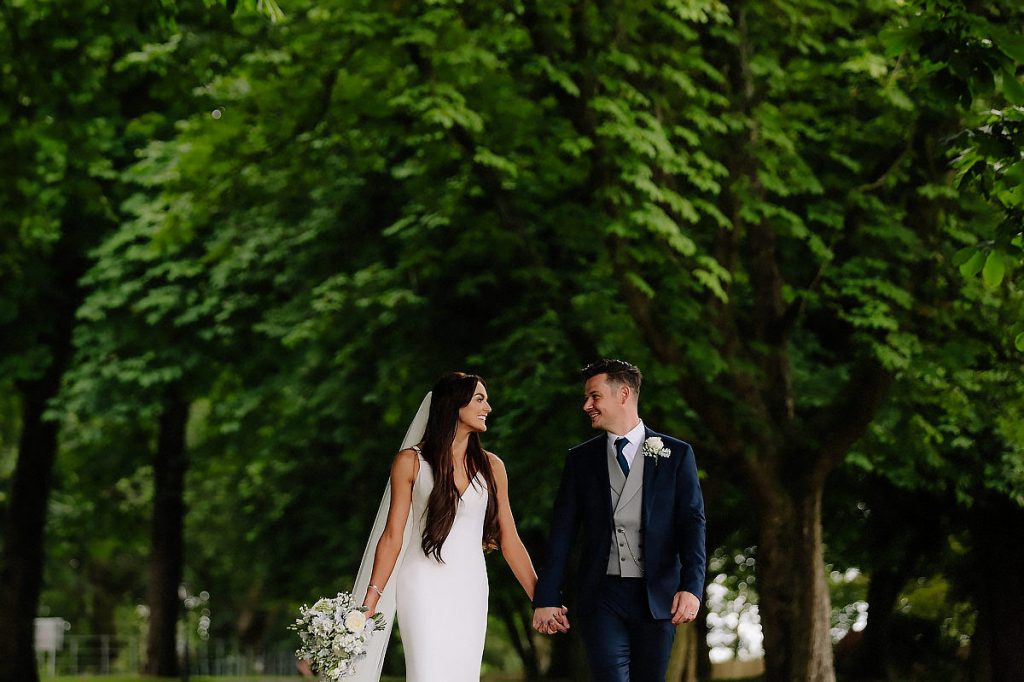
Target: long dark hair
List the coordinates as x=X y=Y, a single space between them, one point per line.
x=451 y=393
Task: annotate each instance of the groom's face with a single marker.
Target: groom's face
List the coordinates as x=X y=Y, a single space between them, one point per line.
x=602 y=402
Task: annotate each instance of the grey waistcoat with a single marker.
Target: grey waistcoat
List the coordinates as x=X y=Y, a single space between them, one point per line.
x=626 y=558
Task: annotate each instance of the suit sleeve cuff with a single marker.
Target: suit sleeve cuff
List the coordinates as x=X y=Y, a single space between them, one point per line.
x=546 y=599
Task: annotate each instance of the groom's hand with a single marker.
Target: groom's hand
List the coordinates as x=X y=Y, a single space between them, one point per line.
x=550 y=619
x=684 y=608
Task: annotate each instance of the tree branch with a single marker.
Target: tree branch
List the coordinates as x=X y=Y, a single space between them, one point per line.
x=891 y=167
x=579 y=339
x=775 y=398
x=322 y=104
x=712 y=411
x=849 y=417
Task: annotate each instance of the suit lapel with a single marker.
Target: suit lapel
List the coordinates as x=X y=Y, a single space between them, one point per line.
x=599 y=452
x=615 y=476
x=650 y=476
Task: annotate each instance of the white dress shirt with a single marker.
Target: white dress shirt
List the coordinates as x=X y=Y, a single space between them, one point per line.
x=635 y=438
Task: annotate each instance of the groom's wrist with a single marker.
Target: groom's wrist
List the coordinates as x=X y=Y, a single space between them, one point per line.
x=697 y=592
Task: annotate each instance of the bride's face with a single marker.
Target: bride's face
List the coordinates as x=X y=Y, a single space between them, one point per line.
x=473 y=416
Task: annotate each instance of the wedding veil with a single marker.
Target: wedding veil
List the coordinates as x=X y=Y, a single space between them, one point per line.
x=369 y=669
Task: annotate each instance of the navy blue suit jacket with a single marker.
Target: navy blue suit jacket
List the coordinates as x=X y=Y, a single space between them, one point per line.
x=673 y=525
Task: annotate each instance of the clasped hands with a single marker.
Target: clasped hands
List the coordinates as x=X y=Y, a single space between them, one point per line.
x=551 y=619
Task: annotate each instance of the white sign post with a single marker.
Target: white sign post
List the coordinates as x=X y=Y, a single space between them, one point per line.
x=50 y=639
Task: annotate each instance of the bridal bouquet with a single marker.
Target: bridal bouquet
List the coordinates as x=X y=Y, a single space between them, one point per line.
x=334 y=633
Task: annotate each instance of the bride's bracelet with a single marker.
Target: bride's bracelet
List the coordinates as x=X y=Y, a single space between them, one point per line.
x=377 y=590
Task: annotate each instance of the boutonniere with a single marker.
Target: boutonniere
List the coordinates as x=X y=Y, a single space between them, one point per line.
x=654 y=447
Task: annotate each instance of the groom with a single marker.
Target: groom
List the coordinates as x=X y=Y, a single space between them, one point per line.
x=634 y=495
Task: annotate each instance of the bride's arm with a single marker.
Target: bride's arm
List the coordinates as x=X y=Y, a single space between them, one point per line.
x=403 y=473
x=512 y=548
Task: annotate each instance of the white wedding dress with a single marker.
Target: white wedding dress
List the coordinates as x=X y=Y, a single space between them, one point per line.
x=442 y=607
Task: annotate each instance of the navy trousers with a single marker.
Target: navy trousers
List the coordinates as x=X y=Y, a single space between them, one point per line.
x=623 y=642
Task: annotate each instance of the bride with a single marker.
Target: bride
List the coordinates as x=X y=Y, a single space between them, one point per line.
x=447 y=500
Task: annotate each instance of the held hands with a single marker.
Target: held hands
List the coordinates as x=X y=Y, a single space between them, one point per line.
x=684 y=608
x=551 y=619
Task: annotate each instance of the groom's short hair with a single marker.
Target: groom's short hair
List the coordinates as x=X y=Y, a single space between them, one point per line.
x=618 y=371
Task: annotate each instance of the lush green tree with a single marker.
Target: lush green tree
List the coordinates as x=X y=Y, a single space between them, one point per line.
x=74 y=110
x=988 y=53
x=940 y=412
x=953 y=443
x=62 y=141
x=751 y=201
x=149 y=343
x=894 y=537
x=749 y=218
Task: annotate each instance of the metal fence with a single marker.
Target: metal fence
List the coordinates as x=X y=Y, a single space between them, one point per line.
x=107 y=654
x=217 y=658
x=93 y=654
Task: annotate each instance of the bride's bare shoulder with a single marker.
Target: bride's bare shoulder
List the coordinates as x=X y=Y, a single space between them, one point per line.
x=496 y=464
x=406 y=462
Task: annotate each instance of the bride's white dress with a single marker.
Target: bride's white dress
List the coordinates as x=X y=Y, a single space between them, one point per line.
x=442 y=607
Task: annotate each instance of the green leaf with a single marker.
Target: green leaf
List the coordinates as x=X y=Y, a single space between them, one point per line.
x=485 y=157
x=974 y=265
x=1012 y=88
x=995 y=268
x=639 y=282
x=964 y=255
x=713 y=283
x=1019 y=341
x=1010 y=44
x=898 y=41
x=559 y=77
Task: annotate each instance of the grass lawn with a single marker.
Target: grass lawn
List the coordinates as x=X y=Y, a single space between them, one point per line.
x=140 y=678
x=224 y=678
x=280 y=678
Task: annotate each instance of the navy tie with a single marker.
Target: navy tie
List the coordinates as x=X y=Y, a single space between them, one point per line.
x=620 y=445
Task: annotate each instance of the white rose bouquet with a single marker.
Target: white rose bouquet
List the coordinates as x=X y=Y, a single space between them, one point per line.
x=334 y=633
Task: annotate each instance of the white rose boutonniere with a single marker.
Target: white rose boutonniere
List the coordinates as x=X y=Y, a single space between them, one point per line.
x=655 y=447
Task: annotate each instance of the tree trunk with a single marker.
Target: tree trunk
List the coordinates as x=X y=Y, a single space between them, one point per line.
x=518 y=626
x=794 y=599
x=703 y=650
x=871 y=659
x=682 y=664
x=48 y=316
x=996 y=651
x=167 y=556
x=21 y=565
x=105 y=589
